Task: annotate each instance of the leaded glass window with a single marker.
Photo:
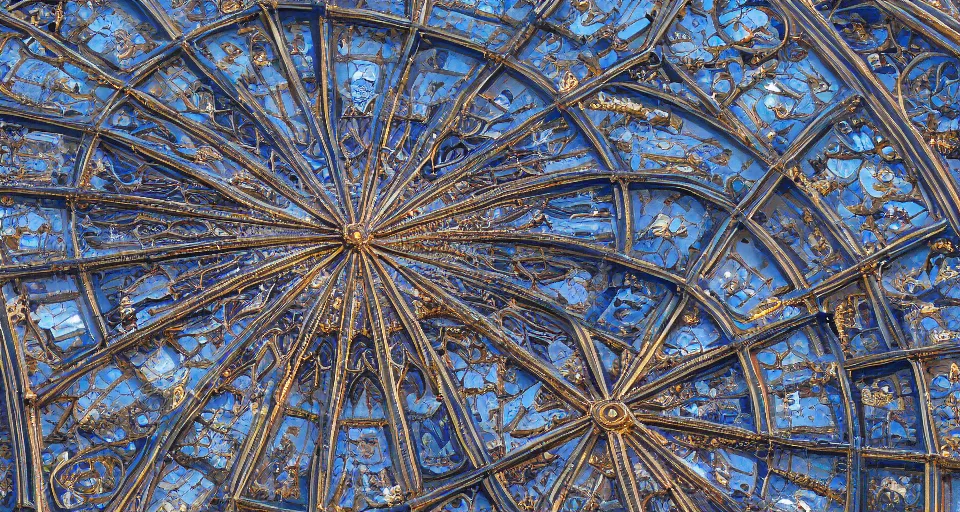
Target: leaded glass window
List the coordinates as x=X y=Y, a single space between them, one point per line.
x=480 y=255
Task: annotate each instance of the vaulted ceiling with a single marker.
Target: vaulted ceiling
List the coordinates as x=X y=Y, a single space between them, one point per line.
x=478 y=255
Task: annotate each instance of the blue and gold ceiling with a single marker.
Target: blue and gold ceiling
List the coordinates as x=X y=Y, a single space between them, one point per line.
x=480 y=255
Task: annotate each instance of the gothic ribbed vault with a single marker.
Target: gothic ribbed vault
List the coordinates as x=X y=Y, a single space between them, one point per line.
x=477 y=255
